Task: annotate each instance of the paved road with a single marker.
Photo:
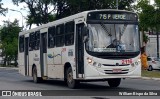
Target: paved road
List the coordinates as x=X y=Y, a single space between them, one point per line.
x=10 y=79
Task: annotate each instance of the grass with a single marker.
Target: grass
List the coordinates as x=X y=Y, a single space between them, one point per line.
x=155 y=73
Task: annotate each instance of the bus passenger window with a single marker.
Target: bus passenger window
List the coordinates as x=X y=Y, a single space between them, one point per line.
x=21 y=44
x=59 y=41
x=69 y=33
x=51 y=35
x=59 y=35
x=69 y=39
x=37 y=40
x=60 y=29
x=31 y=41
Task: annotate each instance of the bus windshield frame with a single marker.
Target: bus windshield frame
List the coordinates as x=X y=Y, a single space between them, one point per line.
x=119 y=26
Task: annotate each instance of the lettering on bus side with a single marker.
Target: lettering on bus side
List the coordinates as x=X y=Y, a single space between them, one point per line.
x=36 y=57
x=70 y=52
x=63 y=49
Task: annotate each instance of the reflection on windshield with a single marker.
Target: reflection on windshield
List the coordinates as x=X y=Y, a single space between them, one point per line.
x=113 y=38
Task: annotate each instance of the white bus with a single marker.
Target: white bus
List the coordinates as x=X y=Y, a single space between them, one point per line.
x=96 y=45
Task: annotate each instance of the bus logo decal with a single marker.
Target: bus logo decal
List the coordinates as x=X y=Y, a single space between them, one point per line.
x=51 y=56
x=117 y=64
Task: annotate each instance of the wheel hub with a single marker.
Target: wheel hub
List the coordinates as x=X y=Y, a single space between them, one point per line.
x=70 y=77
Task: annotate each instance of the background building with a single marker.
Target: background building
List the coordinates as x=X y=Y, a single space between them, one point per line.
x=151 y=46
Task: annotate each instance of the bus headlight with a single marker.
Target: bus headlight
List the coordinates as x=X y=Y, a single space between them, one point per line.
x=89 y=60
x=136 y=63
x=94 y=64
x=99 y=65
x=132 y=64
x=139 y=61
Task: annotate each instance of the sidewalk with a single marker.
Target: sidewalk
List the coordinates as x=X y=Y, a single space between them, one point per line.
x=16 y=68
x=150 y=78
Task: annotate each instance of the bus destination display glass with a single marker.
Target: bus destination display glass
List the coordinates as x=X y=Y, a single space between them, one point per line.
x=110 y=15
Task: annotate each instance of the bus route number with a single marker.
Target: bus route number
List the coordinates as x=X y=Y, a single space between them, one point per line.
x=112 y=16
x=127 y=61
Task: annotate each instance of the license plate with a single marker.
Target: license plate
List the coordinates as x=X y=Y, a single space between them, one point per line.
x=117 y=70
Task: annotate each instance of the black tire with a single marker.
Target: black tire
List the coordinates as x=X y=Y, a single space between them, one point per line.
x=35 y=78
x=150 y=68
x=72 y=83
x=114 y=82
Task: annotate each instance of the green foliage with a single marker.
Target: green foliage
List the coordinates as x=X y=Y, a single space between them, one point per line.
x=145 y=38
x=40 y=11
x=44 y=11
x=2 y=10
x=149 y=16
x=9 y=40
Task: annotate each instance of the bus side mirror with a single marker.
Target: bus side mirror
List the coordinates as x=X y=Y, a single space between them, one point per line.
x=85 y=34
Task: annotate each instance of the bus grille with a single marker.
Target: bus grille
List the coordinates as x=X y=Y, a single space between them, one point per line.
x=111 y=72
x=115 y=64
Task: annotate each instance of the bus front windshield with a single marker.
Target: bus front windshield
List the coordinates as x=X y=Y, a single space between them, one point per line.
x=113 y=38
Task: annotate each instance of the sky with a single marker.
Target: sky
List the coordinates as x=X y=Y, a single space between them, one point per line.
x=12 y=15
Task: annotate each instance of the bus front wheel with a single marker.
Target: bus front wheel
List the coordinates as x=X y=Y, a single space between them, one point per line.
x=114 y=82
x=35 y=78
x=72 y=83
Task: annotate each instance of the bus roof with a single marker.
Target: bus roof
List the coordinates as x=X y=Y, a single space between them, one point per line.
x=69 y=18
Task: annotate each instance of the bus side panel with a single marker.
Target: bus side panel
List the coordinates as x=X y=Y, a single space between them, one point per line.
x=36 y=61
x=69 y=56
x=58 y=64
x=50 y=62
x=56 y=70
x=54 y=60
x=30 y=60
x=21 y=63
x=32 y=54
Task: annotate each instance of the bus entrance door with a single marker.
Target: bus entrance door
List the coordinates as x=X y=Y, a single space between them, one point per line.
x=79 y=52
x=43 y=54
x=26 y=56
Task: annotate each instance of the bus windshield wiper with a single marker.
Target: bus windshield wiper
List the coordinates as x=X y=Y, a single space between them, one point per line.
x=106 y=30
x=123 y=30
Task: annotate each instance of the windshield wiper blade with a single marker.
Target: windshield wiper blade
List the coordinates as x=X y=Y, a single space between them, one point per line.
x=123 y=30
x=106 y=30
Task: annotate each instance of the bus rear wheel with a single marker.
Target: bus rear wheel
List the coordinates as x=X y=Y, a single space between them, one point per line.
x=35 y=78
x=114 y=82
x=72 y=83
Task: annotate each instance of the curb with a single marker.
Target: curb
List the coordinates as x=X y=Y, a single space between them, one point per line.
x=150 y=78
x=15 y=68
x=147 y=78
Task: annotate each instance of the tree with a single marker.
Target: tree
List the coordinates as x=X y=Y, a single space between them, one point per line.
x=39 y=11
x=44 y=11
x=149 y=17
x=2 y=10
x=9 y=40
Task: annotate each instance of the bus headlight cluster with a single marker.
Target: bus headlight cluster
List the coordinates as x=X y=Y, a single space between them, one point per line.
x=89 y=60
x=97 y=64
x=93 y=63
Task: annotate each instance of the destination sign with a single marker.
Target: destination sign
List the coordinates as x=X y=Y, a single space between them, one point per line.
x=112 y=15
